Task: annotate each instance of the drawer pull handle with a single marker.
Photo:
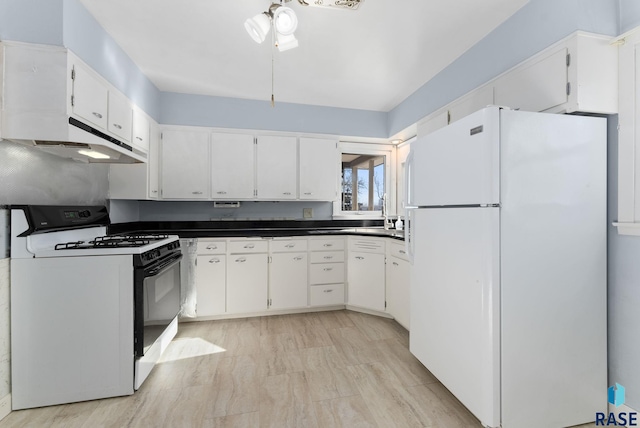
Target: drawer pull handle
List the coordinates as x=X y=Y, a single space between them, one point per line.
x=222 y=192
x=98 y=115
x=212 y=247
x=249 y=246
x=115 y=125
x=395 y=263
x=308 y=193
x=214 y=261
x=139 y=138
x=241 y=260
x=359 y=258
x=286 y=193
x=327 y=269
x=328 y=245
x=154 y=191
x=327 y=291
x=328 y=257
x=402 y=252
x=290 y=245
x=196 y=193
x=297 y=258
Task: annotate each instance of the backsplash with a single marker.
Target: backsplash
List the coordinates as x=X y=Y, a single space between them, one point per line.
x=126 y=211
x=29 y=176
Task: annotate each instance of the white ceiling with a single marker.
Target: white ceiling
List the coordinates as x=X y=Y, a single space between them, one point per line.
x=371 y=58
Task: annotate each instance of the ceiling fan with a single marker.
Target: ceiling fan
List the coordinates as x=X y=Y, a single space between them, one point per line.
x=284 y=21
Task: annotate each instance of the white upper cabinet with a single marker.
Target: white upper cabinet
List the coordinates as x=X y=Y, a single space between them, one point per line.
x=140 y=136
x=185 y=164
x=276 y=167
x=89 y=96
x=318 y=169
x=577 y=74
x=120 y=116
x=538 y=86
x=232 y=166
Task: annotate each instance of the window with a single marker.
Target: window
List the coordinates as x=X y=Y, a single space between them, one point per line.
x=363 y=186
x=364 y=181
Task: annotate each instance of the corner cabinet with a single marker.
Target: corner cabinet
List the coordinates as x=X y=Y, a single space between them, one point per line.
x=185 y=164
x=366 y=273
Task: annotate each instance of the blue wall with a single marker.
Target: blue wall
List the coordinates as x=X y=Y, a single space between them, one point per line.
x=31 y=21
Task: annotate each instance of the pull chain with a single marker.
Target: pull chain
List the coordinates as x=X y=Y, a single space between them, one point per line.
x=273 y=45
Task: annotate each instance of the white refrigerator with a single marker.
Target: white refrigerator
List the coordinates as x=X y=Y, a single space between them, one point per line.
x=506 y=230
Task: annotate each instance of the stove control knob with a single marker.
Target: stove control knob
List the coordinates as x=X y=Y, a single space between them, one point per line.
x=85 y=213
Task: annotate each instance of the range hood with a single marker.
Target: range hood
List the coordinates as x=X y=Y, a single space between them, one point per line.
x=78 y=141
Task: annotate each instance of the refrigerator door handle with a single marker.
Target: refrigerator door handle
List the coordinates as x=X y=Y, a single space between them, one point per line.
x=408 y=241
x=408 y=185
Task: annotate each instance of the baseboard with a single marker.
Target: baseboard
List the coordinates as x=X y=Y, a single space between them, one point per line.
x=5 y=406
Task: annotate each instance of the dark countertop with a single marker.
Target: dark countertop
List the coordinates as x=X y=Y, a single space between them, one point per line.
x=258 y=228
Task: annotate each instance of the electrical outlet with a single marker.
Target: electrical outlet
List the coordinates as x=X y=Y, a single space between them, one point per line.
x=307 y=212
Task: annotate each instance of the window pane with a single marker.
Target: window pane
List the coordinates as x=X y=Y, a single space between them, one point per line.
x=362 y=182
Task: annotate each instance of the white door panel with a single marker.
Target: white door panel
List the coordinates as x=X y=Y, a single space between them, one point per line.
x=455 y=321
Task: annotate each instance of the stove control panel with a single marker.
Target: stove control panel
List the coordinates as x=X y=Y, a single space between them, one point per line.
x=47 y=218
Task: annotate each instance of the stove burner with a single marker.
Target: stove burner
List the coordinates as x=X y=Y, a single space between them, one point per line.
x=121 y=241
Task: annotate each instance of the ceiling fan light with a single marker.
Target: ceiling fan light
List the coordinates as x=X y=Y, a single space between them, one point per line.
x=285 y=20
x=258 y=27
x=287 y=42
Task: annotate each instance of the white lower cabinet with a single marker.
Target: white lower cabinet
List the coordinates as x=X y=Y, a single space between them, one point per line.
x=211 y=282
x=366 y=280
x=241 y=276
x=326 y=271
x=247 y=282
x=288 y=281
x=397 y=284
x=366 y=273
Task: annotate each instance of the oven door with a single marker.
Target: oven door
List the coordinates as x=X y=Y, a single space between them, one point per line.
x=157 y=300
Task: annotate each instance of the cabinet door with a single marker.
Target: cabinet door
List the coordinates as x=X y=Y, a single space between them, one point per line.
x=401 y=160
x=318 y=169
x=89 y=97
x=276 y=168
x=141 y=131
x=288 y=281
x=471 y=103
x=211 y=285
x=185 y=165
x=247 y=281
x=397 y=290
x=366 y=277
x=120 y=116
x=232 y=166
x=537 y=87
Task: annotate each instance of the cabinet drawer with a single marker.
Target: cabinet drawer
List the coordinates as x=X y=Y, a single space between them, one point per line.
x=288 y=245
x=326 y=273
x=398 y=251
x=211 y=247
x=242 y=247
x=326 y=244
x=324 y=295
x=327 y=257
x=366 y=244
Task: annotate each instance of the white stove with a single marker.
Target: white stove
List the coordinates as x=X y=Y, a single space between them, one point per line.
x=91 y=312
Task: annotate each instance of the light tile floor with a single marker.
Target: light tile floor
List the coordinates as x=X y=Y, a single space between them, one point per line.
x=326 y=369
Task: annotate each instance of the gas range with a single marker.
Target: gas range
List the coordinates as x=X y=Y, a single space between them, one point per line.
x=104 y=306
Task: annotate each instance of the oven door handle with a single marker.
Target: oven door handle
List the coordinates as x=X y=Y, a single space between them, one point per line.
x=162 y=268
